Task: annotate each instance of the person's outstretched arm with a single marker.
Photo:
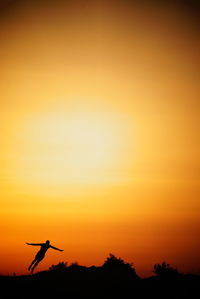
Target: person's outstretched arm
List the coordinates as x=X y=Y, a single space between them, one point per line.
x=55 y=248
x=34 y=244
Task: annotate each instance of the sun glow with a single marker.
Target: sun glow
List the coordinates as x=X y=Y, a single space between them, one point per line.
x=68 y=147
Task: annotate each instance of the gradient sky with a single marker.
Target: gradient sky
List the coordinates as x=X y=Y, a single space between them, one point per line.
x=99 y=132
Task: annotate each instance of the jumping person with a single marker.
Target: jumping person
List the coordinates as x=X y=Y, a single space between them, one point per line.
x=41 y=253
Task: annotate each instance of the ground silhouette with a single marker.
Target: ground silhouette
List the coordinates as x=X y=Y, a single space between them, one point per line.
x=113 y=279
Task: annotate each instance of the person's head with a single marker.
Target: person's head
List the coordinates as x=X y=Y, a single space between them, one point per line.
x=47 y=242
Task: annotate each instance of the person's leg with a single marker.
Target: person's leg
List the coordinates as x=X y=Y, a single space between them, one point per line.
x=29 y=268
x=36 y=263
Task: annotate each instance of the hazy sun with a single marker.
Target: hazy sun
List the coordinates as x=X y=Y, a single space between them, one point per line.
x=62 y=147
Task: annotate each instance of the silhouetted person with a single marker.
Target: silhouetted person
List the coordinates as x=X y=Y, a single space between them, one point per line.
x=41 y=253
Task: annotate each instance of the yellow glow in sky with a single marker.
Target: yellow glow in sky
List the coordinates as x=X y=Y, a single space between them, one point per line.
x=69 y=145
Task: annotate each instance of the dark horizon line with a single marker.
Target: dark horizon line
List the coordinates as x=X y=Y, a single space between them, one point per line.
x=110 y=256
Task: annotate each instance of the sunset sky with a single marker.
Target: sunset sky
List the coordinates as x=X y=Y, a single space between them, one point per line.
x=99 y=132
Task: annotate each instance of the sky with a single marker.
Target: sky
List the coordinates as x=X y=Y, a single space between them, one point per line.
x=99 y=132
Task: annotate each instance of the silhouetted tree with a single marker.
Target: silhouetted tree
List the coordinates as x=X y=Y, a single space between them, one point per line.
x=165 y=270
x=113 y=261
x=118 y=267
x=74 y=265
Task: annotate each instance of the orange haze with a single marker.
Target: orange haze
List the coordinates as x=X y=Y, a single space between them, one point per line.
x=99 y=122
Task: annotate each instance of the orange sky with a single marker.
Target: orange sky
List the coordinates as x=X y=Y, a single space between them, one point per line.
x=99 y=122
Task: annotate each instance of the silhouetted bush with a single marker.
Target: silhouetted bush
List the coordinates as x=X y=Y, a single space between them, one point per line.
x=165 y=270
x=113 y=261
x=74 y=265
x=58 y=267
x=119 y=267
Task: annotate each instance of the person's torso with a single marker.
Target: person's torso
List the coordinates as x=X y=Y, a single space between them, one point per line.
x=44 y=248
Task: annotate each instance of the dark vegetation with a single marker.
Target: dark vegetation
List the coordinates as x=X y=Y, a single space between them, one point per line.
x=114 y=279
